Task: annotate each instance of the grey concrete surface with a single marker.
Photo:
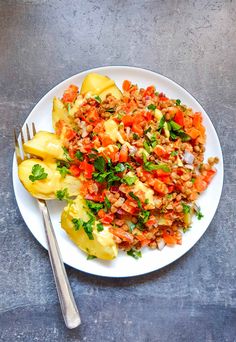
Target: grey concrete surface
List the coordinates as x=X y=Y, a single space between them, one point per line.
x=193 y=42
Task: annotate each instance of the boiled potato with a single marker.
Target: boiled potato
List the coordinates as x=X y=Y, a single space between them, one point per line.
x=45 y=145
x=96 y=84
x=46 y=188
x=103 y=245
x=59 y=112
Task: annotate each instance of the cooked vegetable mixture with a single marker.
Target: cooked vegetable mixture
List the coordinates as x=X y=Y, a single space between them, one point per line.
x=141 y=158
x=134 y=159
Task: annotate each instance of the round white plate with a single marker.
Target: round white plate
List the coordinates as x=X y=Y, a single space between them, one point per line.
x=123 y=265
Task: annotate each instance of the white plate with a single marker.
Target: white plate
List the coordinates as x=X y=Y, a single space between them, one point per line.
x=123 y=266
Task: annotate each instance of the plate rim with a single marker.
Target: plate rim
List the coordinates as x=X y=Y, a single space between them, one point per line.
x=153 y=73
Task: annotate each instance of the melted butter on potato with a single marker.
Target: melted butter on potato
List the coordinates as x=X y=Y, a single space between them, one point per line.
x=102 y=246
x=96 y=84
x=45 y=145
x=47 y=188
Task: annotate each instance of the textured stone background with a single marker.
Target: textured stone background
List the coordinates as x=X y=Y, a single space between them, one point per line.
x=193 y=42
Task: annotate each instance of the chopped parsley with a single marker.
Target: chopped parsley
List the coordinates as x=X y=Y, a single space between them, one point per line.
x=161 y=123
x=199 y=213
x=186 y=208
x=174 y=153
x=66 y=154
x=62 y=194
x=100 y=227
x=129 y=180
x=79 y=155
x=135 y=136
x=91 y=257
x=134 y=253
x=136 y=199
x=193 y=180
x=149 y=166
x=100 y=164
x=147 y=146
x=178 y=102
x=177 y=131
x=143 y=217
x=87 y=226
x=107 y=203
x=94 y=206
x=98 y=98
x=63 y=168
x=151 y=107
x=37 y=173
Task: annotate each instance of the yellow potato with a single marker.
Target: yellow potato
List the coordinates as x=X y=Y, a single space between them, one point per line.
x=45 y=145
x=96 y=84
x=102 y=246
x=46 y=188
x=59 y=112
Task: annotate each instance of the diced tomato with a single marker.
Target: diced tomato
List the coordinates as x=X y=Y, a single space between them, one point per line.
x=160 y=187
x=129 y=207
x=179 y=118
x=143 y=239
x=193 y=132
x=127 y=120
x=70 y=93
x=107 y=219
x=122 y=234
x=106 y=140
x=162 y=97
x=92 y=117
x=95 y=197
x=111 y=152
x=200 y=184
x=170 y=188
x=87 y=168
x=70 y=134
x=137 y=129
x=126 y=85
x=150 y=91
x=209 y=176
x=123 y=156
x=161 y=173
x=148 y=116
x=169 y=239
x=197 y=120
x=75 y=170
x=160 y=151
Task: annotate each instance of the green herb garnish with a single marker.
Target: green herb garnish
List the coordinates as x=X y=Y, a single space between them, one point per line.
x=178 y=102
x=66 y=154
x=98 y=98
x=100 y=227
x=91 y=257
x=78 y=223
x=161 y=124
x=199 y=214
x=149 y=166
x=146 y=146
x=136 y=199
x=37 y=173
x=62 y=194
x=174 y=153
x=186 y=208
x=129 y=180
x=94 y=206
x=134 y=253
x=135 y=136
x=79 y=155
x=100 y=164
x=151 y=107
x=107 y=203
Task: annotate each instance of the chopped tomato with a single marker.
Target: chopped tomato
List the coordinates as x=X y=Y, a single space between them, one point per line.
x=129 y=207
x=179 y=118
x=209 y=176
x=123 y=235
x=70 y=134
x=123 y=156
x=87 y=168
x=70 y=93
x=95 y=197
x=200 y=184
x=150 y=91
x=107 y=218
x=106 y=140
x=143 y=239
x=127 y=120
x=92 y=117
x=193 y=132
x=75 y=170
x=137 y=129
x=169 y=239
x=161 y=152
x=111 y=152
x=197 y=120
x=148 y=116
x=162 y=97
x=160 y=187
x=126 y=85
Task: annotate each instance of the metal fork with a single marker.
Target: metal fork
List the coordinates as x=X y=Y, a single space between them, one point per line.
x=68 y=306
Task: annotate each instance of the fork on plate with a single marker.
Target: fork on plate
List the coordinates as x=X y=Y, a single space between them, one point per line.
x=68 y=306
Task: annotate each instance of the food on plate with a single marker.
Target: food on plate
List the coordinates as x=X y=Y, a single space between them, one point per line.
x=138 y=158
x=96 y=84
x=44 y=179
x=86 y=232
x=45 y=145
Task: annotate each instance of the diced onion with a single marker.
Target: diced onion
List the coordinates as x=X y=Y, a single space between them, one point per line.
x=188 y=157
x=161 y=244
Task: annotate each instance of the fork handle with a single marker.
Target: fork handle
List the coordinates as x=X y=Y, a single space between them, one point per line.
x=68 y=306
